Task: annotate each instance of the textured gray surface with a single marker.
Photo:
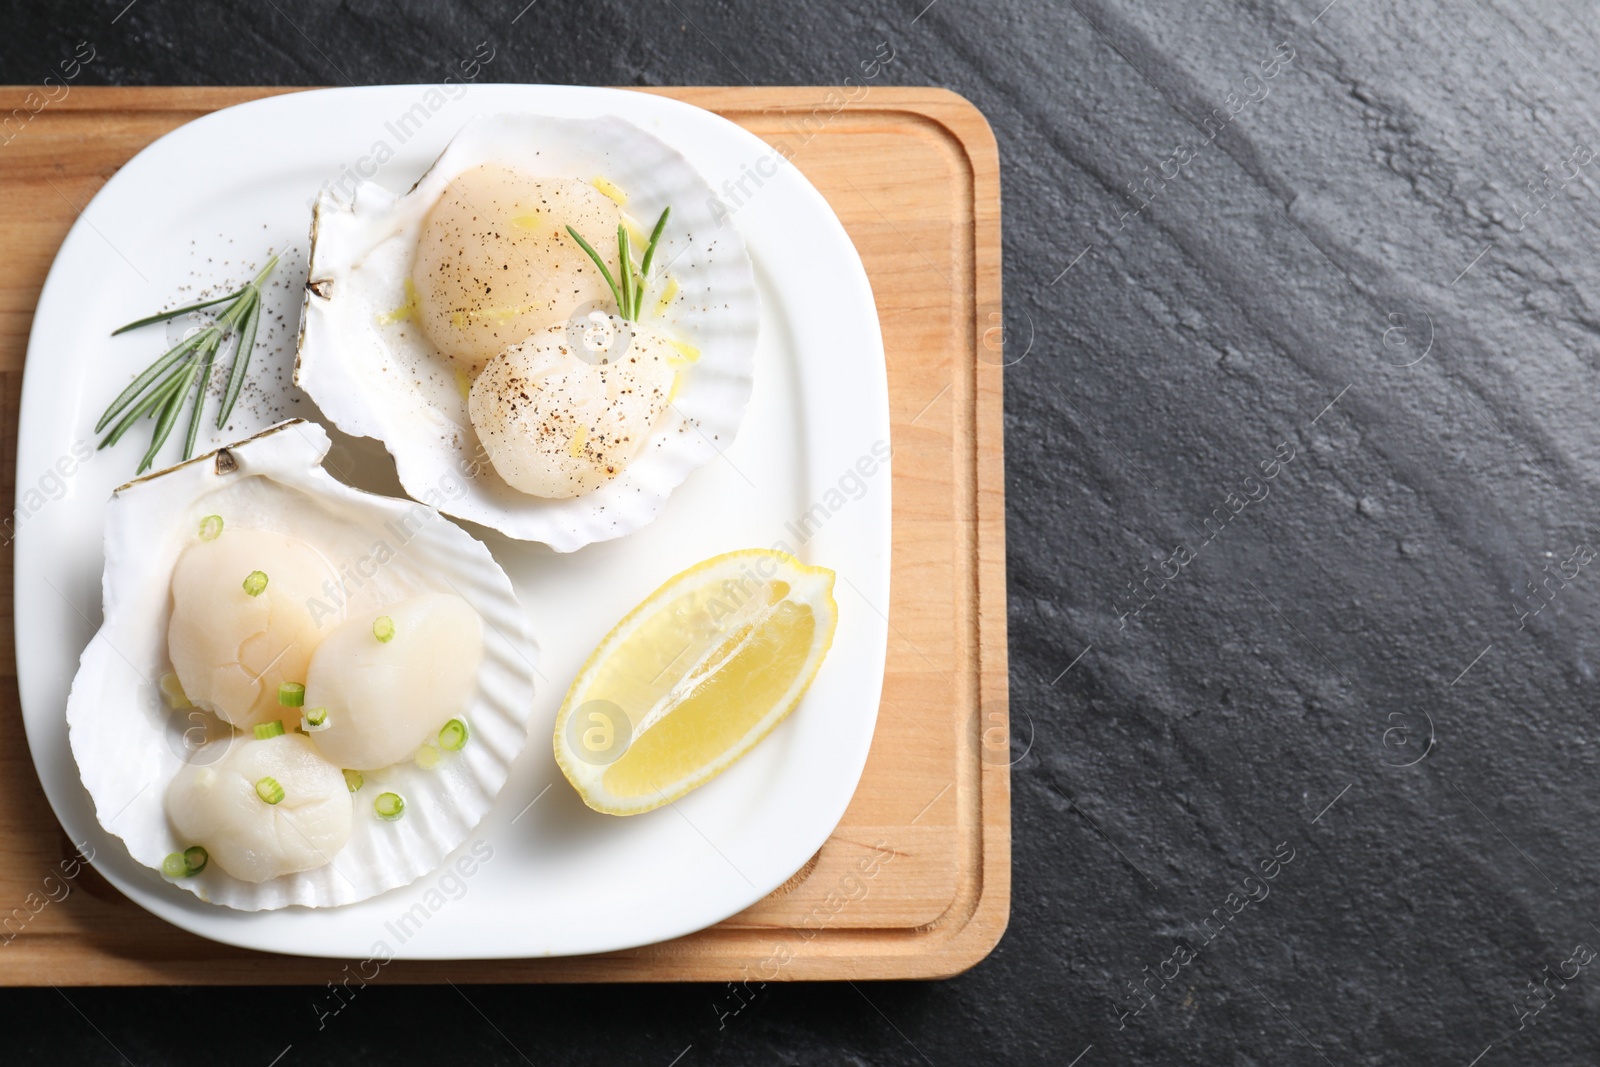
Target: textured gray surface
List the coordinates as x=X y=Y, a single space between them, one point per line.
x=1374 y=261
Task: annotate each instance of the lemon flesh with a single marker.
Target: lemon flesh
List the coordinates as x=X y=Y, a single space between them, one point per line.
x=693 y=678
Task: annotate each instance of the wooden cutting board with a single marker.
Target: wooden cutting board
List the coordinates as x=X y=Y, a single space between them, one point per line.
x=916 y=880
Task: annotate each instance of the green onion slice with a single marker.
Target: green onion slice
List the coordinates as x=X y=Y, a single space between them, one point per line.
x=292 y=695
x=255 y=583
x=453 y=735
x=383 y=629
x=265 y=730
x=172 y=689
x=353 y=780
x=211 y=527
x=269 y=790
x=185 y=864
x=389 y=806
x=316 y=716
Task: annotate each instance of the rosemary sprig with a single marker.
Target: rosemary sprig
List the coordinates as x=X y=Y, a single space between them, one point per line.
x=630 y=294
x=163 y=388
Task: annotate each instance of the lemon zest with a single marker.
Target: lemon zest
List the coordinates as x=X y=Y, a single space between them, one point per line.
x=607 y=187
x=687 y=354
x=635 y=234
x=461 y=319
x=668 y=295
x=404 y=311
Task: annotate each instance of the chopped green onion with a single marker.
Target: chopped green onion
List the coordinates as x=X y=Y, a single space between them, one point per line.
x=210 y=527
x=292 y=695
x=255 y=583
x=353 y=780
x=427 y=757
x=265 y=730
x=189 y=862
x=383 y=629
x=269 y=790
x=316 y=716
x=389 y=806
x=172 y=689
x=453 y=735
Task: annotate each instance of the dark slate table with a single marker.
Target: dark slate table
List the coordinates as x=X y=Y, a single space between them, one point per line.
x=1302 y=464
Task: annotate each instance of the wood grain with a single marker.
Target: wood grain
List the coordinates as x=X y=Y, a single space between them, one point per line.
x=915 y=881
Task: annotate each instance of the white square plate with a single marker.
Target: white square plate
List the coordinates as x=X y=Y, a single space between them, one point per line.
x=548 y=876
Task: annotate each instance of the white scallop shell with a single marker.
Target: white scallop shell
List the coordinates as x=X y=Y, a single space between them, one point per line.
x=129 y=744
x=387 y=381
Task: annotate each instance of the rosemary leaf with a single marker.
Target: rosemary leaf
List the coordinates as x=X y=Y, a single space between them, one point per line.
x=605 y=272
x=241 y=361
x=650 y=249
x=151 y=373
x=175 y=312
x=149 y=404
x=210 y=354
x=169 y=415
x=262 y=276
x=625 y=268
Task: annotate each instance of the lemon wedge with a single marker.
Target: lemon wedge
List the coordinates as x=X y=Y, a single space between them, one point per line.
x=693 y=677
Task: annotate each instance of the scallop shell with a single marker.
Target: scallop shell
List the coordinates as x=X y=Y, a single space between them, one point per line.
x=129 y=743
x=385 y=380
